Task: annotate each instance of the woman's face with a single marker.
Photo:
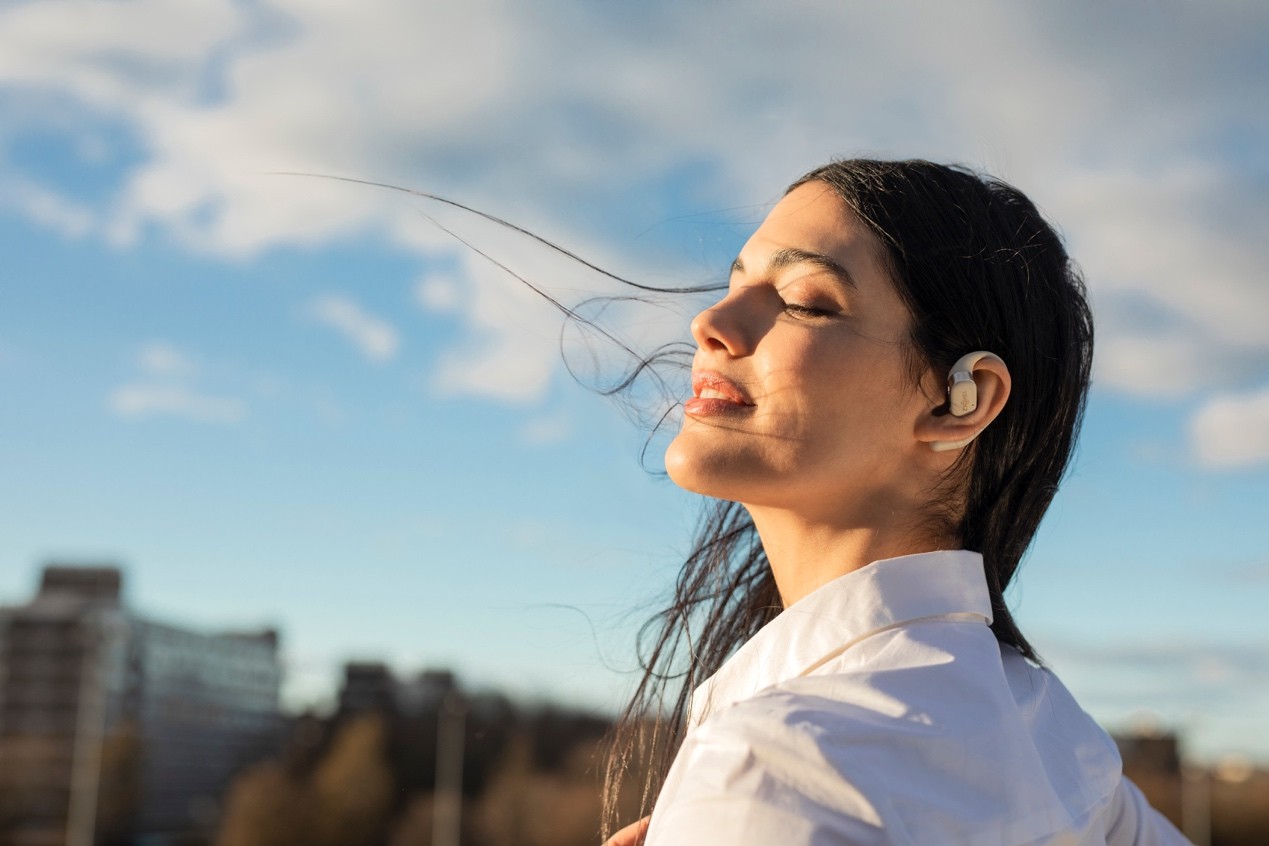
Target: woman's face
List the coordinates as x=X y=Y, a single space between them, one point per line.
x=801 y=394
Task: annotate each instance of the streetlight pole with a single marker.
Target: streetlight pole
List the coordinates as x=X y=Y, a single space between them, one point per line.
x=81 y=817
x=447 y=800
x=1196 y=804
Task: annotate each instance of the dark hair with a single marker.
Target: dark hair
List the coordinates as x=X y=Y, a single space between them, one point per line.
x=978 y=268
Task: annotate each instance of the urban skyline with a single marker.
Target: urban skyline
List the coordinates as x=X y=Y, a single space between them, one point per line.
x=115 y=729
x=113 y=725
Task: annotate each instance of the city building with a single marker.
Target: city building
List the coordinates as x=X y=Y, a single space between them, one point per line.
x=117 y=729
x=373 y=686
x=368 y=686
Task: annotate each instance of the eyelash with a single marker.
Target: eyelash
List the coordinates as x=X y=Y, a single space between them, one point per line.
x=805 y=310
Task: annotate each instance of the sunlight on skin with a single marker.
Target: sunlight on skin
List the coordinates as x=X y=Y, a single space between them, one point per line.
x=805 y=408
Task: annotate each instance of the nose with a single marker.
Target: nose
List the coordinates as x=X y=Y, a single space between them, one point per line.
x=722 y=327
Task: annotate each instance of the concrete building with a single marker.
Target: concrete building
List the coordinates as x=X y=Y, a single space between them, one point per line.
x=118 y=729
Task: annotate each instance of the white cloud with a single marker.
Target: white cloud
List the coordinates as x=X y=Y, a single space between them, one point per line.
x=496 y=367
x=1232 y=430
x=159 y=358
x=148 y=400
x=438 y=292
x=1154 y=243
x=39 y=45
x=45 y=206
x=1120 y=125
x=168 y=388
x=512 y=347
x=1152 y=365
x=374 y=337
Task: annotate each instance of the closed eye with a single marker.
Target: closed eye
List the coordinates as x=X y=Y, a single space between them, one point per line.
x=806 y=310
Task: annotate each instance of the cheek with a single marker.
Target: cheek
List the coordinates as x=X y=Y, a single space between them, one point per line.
x=855 y=393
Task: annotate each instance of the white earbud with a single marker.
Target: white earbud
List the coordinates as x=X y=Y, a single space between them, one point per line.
x=962 y=394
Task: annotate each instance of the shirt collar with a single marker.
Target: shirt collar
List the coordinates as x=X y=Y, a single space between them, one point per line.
x=842 y=612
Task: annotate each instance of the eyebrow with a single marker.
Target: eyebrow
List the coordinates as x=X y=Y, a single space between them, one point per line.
x=790 y=256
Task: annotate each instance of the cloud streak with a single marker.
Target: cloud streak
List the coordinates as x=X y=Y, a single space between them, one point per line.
x=372 y=336
x=140 y=401
x=163 y=359
x=167 y=389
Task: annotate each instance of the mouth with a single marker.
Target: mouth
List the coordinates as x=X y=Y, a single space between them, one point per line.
x=713 y=393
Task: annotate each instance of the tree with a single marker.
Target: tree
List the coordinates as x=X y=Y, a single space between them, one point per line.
x=353 y=786
x=267 y=806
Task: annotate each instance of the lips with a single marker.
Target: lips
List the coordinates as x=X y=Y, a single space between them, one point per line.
x=713 y=393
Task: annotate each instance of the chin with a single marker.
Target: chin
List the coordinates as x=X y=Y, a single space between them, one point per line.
x=678 y=464
x=695 y=467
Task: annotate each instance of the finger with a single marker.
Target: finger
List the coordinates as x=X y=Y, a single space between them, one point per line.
x=631 y=835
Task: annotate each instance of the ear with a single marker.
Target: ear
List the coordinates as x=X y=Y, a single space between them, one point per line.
x=980 y=376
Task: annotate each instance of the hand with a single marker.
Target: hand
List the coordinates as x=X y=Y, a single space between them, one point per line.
x=631 y=835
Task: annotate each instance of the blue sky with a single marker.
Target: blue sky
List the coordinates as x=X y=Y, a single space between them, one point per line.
x=296 y=401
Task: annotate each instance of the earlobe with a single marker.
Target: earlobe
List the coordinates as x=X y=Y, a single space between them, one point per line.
x=971 y=407
x=948 y=446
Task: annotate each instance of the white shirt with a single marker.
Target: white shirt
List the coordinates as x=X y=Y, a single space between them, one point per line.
x=881 y=709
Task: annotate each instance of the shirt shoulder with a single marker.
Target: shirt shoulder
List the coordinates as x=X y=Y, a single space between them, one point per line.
x=945 y=744
x=760 y=772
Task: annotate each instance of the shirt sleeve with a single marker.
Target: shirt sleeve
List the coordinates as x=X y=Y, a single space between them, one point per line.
x=1132 y=822
x=747 y=782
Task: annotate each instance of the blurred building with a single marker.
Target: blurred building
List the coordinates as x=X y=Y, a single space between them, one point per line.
x=373 y=686
x=368 y=686
x=1150 y=751
x=118 y=729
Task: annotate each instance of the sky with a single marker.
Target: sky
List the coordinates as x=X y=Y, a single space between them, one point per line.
x=296 y=401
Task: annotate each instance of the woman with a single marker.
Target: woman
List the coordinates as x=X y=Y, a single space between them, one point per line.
x=890 y=390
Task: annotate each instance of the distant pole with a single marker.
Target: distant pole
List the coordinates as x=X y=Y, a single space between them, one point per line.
x=81 y=816
x=447 y=800
x=1196 y=804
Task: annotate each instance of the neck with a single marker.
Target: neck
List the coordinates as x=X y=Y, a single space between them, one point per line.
x=807 y=553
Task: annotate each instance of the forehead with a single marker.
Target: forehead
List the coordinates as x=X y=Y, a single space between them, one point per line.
x=812 y=217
